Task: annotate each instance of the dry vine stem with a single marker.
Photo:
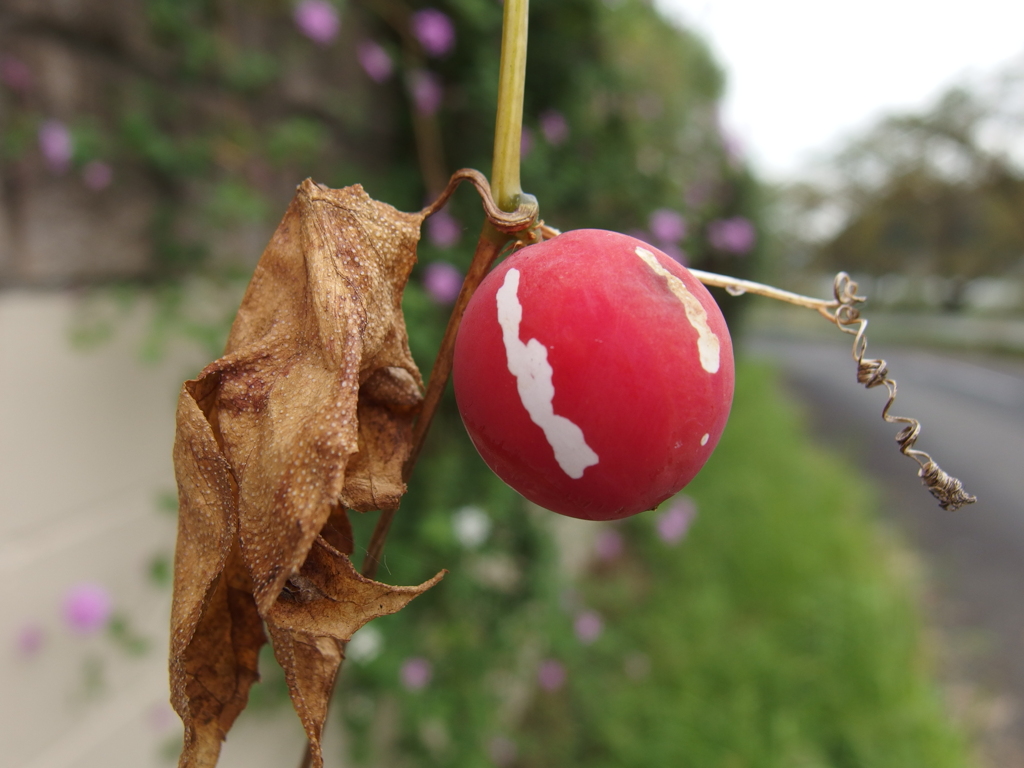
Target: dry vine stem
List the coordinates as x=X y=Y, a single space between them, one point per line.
x=501 y=227
x=843 y=312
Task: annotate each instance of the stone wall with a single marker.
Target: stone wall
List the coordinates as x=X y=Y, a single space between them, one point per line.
x=108 y=71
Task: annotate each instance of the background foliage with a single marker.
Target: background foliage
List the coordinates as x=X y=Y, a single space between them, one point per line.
x=730 y=650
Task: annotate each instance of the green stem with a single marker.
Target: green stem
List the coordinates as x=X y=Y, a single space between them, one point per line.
x=508 y=128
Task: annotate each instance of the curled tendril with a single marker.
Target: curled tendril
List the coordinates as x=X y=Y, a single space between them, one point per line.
x=843 y=311
x=873 y=372
x=521 y=221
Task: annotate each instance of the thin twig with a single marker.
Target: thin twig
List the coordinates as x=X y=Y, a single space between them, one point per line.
x=736 y=287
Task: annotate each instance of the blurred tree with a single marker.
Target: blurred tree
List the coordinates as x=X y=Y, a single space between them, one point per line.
x=932 y=193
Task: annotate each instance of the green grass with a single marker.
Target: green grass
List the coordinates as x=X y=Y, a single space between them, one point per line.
x=778 y=633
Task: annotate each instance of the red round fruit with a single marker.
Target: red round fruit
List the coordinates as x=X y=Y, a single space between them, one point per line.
x=594 y=374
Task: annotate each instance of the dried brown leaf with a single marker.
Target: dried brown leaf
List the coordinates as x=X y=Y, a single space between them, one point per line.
x=309 y=412
x=313 y=619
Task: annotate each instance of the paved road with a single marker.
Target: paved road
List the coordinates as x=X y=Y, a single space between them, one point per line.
x=972 y=414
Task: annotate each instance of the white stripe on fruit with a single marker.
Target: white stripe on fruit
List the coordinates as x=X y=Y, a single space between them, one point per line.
x=708 y=346
x=529 y=364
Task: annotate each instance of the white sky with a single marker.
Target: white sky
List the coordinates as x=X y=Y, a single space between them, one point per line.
x=804 y=73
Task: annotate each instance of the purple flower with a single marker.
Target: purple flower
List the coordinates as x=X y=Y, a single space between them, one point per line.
x=443 y=230
x=609 y=544
x=675 y=521
x=667 y=226
x=434 y=30
x=427 y=91
x=30 y=639
x=415 y=673
x=588 y=627
x=551 y=675
x=97 y=175
x=525 y=142
x=15 y=74
x=443 y=281
x=318 y=20
x=87 y=607
x=736 y=235
x=56 y=145
x=554 y=126
x=375 y=61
